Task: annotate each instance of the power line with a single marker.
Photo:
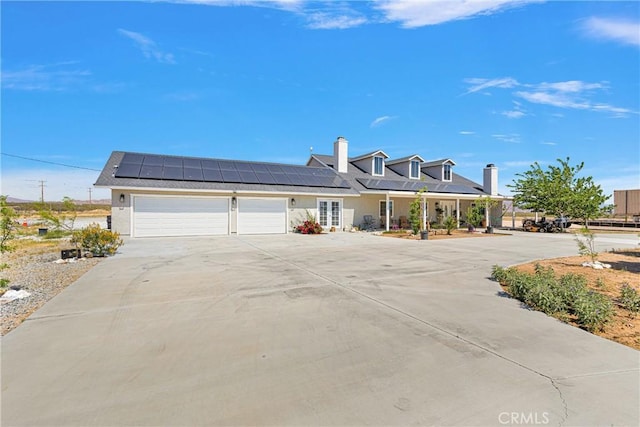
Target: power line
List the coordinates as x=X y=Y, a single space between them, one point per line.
x=51 y=163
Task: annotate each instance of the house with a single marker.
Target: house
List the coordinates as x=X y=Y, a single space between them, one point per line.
x=162 y=195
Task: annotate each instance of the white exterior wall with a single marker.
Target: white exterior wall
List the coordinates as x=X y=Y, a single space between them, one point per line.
x=121 y=213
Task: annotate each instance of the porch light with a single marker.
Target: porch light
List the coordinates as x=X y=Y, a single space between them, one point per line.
x=293 y=202
x=234 y=202
x=121 y=197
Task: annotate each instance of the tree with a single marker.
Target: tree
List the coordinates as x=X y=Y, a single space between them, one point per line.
x=7 y=233
x=559 y=191
x=60 y=220
x=415 y=211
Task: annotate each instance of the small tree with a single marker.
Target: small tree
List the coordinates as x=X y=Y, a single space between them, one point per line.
x=474 y=215
x=586 y=244
x=7 y=233
x=415 y=211
x=62 y=220
x=450 y=224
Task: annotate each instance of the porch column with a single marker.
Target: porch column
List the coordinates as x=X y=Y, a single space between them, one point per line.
x=424 y=213
x=387 y=213
x=458 y=212
x=486 y=214
x=513 y=215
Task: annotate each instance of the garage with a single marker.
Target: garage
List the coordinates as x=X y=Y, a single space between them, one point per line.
x=155 y=216
x=262 y=216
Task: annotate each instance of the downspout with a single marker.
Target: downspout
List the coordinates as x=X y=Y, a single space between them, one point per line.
x=387 y=213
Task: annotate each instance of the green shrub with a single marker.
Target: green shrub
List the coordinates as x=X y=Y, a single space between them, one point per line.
x=96 y=240
x=56 y=234
x=450 y=223
x=571 y=287
x=593 y=310
x=629 y=298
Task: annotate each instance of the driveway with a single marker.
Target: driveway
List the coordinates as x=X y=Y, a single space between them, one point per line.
x=336 y=329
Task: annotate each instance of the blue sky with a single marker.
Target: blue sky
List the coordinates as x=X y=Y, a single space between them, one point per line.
x=497 y=81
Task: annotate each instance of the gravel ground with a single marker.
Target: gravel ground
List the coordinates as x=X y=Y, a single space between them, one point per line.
x=35 y=271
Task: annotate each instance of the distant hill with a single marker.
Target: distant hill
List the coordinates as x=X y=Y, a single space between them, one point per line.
x=78 y=202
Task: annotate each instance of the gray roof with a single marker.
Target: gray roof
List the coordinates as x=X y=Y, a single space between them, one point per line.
x=357 y=180
x=404 y=159
x=437 y=162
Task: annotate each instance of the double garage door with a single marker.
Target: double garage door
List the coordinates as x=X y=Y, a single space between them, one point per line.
x=206 y=216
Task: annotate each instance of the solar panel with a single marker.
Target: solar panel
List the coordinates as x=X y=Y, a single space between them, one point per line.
x=192 y=163
x=230 y=176
x=152 y=172
x=249 y=177
x=274 y=169
x=193 y=174
x=153 y=161
x=127 y=170
x=265 y=178
x=281 y=179
x=173 y=161
x=210 y=164
x=132 y=158
x=394 y=185
x=172 y=172
x=242 y=166
x=212 y=175
x=257 y=167
x=226 y=165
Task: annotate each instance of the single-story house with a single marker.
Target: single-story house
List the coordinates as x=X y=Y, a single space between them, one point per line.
x=166 y=195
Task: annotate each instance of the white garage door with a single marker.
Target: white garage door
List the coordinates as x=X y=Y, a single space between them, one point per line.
x=262 y=216
x=180 y=216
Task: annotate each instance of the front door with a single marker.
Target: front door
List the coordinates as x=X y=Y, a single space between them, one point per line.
x=448 y=207
x=330 y=213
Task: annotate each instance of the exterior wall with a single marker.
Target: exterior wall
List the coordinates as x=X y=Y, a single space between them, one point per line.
x=627 y=202
x=121 y=213
x=365 y=164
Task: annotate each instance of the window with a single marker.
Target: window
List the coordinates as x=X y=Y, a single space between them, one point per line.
x=446 y=176
x=415 y=169
x=383 y=208
x=330 y=213
x=378 y=166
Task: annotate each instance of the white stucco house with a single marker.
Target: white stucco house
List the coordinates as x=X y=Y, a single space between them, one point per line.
x=165 y=195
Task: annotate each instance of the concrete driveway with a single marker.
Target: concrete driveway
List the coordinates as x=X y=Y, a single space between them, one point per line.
x=337 y=329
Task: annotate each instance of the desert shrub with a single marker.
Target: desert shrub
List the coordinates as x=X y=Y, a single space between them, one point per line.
x=96 y=240
x=571 y=287
x=629 y=298
x=593 y=310
x=450 y=224
x=586 y=244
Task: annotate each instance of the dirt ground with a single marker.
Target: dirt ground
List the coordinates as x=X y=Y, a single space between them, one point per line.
x=442 y=235
x=625 y=268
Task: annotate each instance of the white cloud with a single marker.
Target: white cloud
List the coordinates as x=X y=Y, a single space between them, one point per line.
x=466 y=132
x=49 y=77
x=548 y=143
x=618 y=30
x=573 y=86
x=412 y=13
x=148 y=47
x=380 y=120
x=521 y=163
x=513 y=138
x=329 y=21
x=478 y=84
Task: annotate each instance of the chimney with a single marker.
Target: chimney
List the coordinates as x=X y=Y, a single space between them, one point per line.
x=340 y=155
x=490 y=180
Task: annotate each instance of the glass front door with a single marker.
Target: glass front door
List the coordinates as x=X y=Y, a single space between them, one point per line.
x=330 y=213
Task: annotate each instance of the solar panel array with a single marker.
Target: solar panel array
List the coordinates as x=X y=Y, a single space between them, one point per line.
x=175 y=168
x=394 y=185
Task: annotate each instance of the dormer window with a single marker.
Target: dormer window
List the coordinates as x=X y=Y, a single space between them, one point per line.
x=446 y=172
x=415 y=169
x=378 y=166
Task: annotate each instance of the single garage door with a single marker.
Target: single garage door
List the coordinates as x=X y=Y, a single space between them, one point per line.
x=180 y=216
x=262 y=216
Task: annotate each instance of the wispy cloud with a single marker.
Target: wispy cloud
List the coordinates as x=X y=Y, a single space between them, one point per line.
x=329 y=21
x=466 y=132
x=516 y=113
x=521 y=163
x=412 y=13
x=571 y=94
x=513 y=138
x=617 y=30
x=478 y=84
x=148 y=47
x=49 y=77
x=380 y=120
x=548 y=143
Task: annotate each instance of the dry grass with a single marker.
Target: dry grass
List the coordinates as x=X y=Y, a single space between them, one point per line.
x=625 y=268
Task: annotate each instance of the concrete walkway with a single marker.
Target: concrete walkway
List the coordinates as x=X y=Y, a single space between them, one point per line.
x=337 y=329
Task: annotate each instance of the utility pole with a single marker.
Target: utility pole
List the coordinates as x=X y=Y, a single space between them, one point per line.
x=42 y=190
x=90 y=195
